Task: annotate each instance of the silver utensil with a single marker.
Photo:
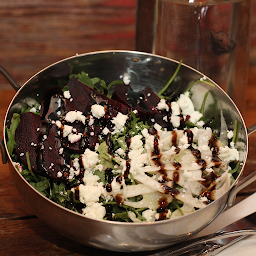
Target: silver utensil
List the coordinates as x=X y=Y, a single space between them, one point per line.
x=205 y=245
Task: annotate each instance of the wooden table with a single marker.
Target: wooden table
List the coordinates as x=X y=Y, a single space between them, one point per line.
x=21 y=233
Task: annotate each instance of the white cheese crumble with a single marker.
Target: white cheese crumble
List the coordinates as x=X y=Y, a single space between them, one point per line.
x=230 y=134
x=74 y=137
x=105 y=131
x=89 y=193
x=67 y=129
x=126 y=78
x=73 y=116
x=89 y=158
x=119 y=122
x=98 y=111
x=67 y=94
x=33 y=110
x=162 y=105
x=95 y=211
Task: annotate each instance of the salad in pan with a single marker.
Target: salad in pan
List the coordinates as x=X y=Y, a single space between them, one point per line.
x=109 y=152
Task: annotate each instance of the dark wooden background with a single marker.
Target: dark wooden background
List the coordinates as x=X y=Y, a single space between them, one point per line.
x=37 y=33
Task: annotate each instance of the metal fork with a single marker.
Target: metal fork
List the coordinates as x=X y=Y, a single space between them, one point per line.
x=205 y=245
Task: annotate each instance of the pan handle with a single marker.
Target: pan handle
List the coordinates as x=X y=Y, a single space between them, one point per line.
x=9 y=78
x=251 y=129
x=3 y=151
x=240 y=185
x=16 y=87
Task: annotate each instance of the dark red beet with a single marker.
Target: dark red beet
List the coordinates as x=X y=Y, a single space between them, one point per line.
x=120 y=93
x=144 y=101
x=85 y=96
x=151 y=98
x=48 y=102
x=52 y=160
x=26 y=138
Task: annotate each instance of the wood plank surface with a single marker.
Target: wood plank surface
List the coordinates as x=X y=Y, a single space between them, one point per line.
x=35 y=34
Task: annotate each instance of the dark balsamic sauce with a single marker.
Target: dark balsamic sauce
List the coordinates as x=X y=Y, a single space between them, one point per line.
x=176 y=177
x=172 y=191
x=119 y=199
x=208 y=182
x=110 y=144
x=197 y=154
x=176 y=165
x=213 y=143
x=190 y=136
x=163 y=203
x=174 y=138
x=128 y=161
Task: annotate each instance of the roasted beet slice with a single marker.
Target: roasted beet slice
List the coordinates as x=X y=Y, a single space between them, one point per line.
x=85 y=97
x=141 y=101
x=150 y=97
x=82 y=95
x=85 y=142
x=50 y=161
x=26 y=138
x=120 y=93
x=52 y=104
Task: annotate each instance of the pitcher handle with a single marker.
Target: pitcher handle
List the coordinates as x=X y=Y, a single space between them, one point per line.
x=3 y=151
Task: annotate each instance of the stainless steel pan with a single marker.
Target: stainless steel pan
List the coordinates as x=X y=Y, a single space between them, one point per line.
x=143 y=70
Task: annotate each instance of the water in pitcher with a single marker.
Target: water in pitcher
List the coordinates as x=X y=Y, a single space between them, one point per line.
x=210 y=36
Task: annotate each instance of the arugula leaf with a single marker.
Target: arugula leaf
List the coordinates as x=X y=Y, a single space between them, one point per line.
x=58 y=193
x=83 y=78
x=104 y=157
x=11 y=132
x=91 y=82
x=41 y=186
x=160 y=93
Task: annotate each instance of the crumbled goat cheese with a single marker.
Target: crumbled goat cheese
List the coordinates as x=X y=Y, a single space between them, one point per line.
x=89 y=158
x=73 y=116
x=67 y=129
x=95 y=211
x=162 y=105
x=58 y=124
x=98 y=111
x=74 y=137
x=67 y=94
x=90 y=179
x=119 y=122
x=59 y=174
x=149 y=215
x=228 y=154
x=185 y=104
x=89 y=193
x=175 y=120
x=33 y=110
x=195 y=116
x=105 y=131
x=126 y=78
x=230 y=134
x=175 y=108
x=120 y=152
x=76 y=163
x=91 y=121
x=136 y=142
